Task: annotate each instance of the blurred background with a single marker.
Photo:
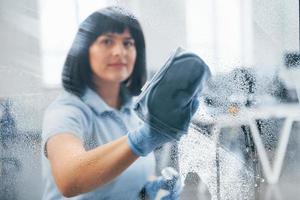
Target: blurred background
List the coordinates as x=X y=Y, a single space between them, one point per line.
x=238 y=39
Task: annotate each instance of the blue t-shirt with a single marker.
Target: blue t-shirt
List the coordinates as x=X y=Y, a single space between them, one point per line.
x=95 y=123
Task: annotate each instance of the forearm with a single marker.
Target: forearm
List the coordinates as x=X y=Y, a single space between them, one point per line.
x=90 y=169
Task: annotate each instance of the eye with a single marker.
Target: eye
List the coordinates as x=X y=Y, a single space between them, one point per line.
x=129 y=43
x=107 y=41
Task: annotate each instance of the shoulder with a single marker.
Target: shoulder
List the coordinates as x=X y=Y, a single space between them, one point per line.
x=67 y=113
x=68 y=102
x=68 y=107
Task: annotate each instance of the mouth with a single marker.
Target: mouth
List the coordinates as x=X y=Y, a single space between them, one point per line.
x=117 y=65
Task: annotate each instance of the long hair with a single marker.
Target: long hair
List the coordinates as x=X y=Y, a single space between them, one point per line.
x=77 y=73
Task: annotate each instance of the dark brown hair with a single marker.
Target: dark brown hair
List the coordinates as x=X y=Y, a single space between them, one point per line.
x=77 y=73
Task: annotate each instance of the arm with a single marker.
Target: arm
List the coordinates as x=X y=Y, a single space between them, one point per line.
x=77 y=171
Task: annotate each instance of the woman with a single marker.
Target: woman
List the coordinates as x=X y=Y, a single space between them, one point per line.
x=92 y=138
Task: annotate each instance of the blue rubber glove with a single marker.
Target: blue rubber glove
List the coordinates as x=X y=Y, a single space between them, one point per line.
x=170 y=181
x=147 y=138
x=168 y=102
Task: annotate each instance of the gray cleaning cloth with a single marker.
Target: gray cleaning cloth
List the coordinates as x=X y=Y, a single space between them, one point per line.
x=167 y=101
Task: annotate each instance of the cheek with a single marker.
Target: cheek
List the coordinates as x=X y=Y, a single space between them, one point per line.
x=92 y=58
x=96 y=60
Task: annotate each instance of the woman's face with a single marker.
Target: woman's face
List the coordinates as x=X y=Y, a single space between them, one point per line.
x=112 y=57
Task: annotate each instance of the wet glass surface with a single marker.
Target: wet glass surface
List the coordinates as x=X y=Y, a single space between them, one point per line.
x=244 y=140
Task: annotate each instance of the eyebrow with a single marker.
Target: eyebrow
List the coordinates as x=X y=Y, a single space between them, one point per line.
x=112 y=35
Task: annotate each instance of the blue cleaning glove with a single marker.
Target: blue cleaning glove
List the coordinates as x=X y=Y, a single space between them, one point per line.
x=170 y=181
x=168 y=102
x=147 y=138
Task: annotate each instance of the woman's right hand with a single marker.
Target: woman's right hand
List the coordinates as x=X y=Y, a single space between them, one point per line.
x=168 y=102
x=147 y=138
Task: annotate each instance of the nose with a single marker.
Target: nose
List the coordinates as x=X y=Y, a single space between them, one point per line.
x=119 y=49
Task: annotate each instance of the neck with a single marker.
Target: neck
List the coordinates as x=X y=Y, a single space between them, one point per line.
x=109 y=92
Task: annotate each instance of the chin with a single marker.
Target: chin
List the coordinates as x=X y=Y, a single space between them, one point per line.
x=119 y=79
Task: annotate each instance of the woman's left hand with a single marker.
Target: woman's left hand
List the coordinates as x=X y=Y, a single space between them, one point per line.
x=165 y=187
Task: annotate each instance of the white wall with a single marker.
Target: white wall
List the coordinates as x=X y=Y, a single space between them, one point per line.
x=275 y=30
x=20 y=68
x=164 y=25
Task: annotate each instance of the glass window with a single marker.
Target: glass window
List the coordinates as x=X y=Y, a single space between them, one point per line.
x=217 y=30
x=58 y=31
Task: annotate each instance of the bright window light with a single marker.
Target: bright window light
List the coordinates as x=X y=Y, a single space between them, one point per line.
x=216 y=31
x=59 y=23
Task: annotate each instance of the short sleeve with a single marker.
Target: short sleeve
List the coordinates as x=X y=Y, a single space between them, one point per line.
x=63 y=119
